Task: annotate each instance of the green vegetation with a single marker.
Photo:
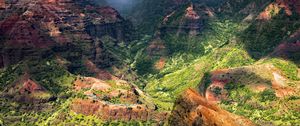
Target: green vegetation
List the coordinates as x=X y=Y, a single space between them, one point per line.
x=224 y=41
x=259 y=42
x=263 y=108
x=288 y=68
x=165 y=88
x=10 y=74
x=267 y=95
x=51 y=75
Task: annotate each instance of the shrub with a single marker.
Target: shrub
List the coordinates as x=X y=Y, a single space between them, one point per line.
x=267 y=95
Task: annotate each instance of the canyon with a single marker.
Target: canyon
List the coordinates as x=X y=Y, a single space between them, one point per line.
x=171 y=62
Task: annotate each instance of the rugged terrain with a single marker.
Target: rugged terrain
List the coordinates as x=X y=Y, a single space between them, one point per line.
x=171 y=62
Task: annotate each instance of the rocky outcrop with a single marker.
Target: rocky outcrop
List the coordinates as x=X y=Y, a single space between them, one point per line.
x=189 y=21
x=2 y=4
x=109 y=24
x=27 y=91
x=91 y=83
x=121 y=31
x=157 y=47
x=191 y=109
x=271 y=10
x=289 y=7
x=250 y=10
x=108 y=111
x=116 y=100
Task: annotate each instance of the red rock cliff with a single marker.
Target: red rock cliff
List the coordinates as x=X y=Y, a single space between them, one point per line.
x=191 y=109
x=2 y=4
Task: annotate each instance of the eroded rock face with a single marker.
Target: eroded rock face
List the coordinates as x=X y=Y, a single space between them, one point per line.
x=189 y=22
x=116 y=100
x=110 y=111
x=91 y=83
x=289 y=7
x=2 y=4
x=191 y=109
x=58 y=26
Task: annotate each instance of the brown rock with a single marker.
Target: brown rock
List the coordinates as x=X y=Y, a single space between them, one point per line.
x=2 y=4
x=191 y=109
x=91 y=83
x=47 y=25
x=110 y=111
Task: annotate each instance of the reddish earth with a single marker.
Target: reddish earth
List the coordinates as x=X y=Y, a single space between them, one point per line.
x=212 y=96
x=91 y=83
x=160 y=64
x=190 y=22
x=24 y=34
x=273 y=8
x=94 y=85
x=125 y=96
x=30 y=86
x=289 y=6
x=107 y=111
x=218 y=79
x=191 y=14
x=32 y=28
x=26 y=90
x=156 y=48
x=283 y=91
x=259 y=87
x=280 y=86
x=26 y=29
x=191 y=109
x=2 y=4
x=26 y=86
x=121 y=103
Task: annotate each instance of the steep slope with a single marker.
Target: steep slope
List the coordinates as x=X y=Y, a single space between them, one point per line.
x=31 y=27
x=152 y=13
x=247 y=62
x=75 y=62
x=44 y=44
x=193 y=109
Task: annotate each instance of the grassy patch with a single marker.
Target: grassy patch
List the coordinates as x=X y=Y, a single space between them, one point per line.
x=288 y=68
x=262 y=108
